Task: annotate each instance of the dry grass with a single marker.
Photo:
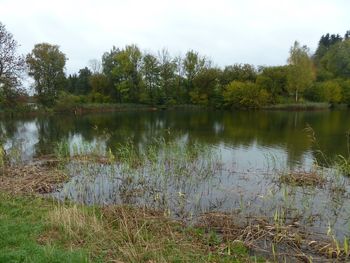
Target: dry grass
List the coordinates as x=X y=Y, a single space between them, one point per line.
x=303 y=178
x=31 y=179
x=75 y=221
x=281 y=240
x=125 y=234
x=128 y=234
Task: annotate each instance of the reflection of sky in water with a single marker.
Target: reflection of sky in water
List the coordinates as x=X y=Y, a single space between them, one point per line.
x=25 y=137
x=244 y=156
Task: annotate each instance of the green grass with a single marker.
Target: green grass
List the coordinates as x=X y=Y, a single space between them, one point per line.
x=33 y=229
x=22 y=223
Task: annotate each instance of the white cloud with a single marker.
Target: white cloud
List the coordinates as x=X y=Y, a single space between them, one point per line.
x=249 y=31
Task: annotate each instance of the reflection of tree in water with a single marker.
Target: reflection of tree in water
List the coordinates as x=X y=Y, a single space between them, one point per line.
x=270 y=129
x=50 y=131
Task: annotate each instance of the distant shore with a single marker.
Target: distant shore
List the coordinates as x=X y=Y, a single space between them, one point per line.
x=119 y=107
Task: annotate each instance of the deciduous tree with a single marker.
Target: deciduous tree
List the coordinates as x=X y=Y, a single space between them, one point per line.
x=301 y=71
x=12 y=66
x=46 y=65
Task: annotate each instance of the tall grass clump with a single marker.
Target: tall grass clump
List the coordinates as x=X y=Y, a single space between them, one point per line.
x=340 y=164
x=2 y=158
x=62 y=150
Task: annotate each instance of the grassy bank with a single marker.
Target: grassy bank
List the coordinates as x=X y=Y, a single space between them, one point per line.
x=92 y=108
x=34 y=229
x=304 y=106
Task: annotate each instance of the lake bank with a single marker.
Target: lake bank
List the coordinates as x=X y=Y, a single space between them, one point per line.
x=122 y=107
x=34 y=229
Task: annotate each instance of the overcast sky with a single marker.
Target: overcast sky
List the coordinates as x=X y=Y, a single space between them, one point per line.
x=258 y=32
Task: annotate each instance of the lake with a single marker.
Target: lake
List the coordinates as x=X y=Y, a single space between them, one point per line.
x=247 y=137
x=234 y=160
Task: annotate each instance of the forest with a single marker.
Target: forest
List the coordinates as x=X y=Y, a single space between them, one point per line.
x=128 y=75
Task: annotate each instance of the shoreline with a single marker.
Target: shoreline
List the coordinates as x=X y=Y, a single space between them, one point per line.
x=145 y=234
x=37 y=227
x=108 y=108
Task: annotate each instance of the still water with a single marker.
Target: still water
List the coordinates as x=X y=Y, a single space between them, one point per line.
x=247 y=138
x=250 y=147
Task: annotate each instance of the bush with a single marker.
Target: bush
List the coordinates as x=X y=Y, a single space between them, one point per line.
x=245 y=95
x=97 y=97
x=328 y=91
x=345 y=91
x=67 y=101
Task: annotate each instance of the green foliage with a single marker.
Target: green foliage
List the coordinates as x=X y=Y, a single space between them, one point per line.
x=131 y=76
x=97 y=97
x=336 y=62
x=46 y=63
x=151 y=72
x=346 y=91
x=238 y=72
x=325 y=43
x=99 y=84
x=328 y=91
x=12 y=66
x=274 y=81
x=245 y=95
x=66 y=101
x=193 y=63
x=205 y=86
x=127 y=72
x=300 y=71
x=169 y=89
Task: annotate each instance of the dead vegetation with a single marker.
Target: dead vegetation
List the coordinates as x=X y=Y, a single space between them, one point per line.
x=129 y=234
x=303 y=178
x=284 y=241
x=35 y=178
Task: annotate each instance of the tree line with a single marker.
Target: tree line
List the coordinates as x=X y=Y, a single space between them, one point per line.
x=129 y=75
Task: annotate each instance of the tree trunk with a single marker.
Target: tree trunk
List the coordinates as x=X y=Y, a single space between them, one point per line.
x=296 y=96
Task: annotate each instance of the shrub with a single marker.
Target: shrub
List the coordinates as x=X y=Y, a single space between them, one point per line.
x=245 y=95
x=97 y=97
x=328 y=91
x=67 y=101
x=345 y=91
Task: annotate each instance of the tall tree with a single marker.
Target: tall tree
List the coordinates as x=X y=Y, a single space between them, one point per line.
x=206 y=86
x=167 y=76
x=193 y=63
x=151 y=73
x=325 y=43
x=337 y=60
x=127 y=72
x=274 y=81
x=108 y=64
x=83 y=86
x=347 y=35
x=46 y=65
x=301 y=71
x=238 y=72
x=12 y=66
